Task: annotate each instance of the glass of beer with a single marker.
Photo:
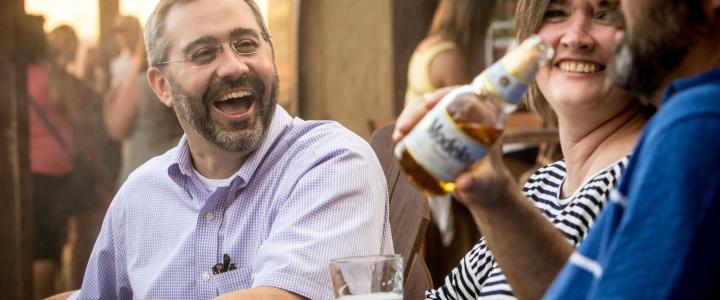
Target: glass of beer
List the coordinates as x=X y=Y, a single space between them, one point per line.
x=368 y=277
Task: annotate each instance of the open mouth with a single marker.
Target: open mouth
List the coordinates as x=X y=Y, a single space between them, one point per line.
x=580 y=67
x=235 y=103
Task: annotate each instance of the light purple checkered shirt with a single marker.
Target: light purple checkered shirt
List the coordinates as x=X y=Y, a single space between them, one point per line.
x=313 y=191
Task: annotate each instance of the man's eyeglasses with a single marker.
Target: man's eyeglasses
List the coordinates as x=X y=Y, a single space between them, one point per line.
x=205 y=56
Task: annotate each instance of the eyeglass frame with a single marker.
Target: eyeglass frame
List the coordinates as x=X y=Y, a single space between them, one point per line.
x=220 y=48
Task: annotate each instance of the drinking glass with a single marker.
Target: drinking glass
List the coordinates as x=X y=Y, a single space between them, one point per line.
x=368 y=277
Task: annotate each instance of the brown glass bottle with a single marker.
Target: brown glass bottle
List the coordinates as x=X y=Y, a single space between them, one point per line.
x=469 y=120
x=464 y=111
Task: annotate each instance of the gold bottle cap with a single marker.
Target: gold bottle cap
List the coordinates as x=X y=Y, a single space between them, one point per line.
x=509 y=77
x=523 y=62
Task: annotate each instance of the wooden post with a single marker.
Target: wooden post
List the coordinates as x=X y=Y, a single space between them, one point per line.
x=410 y=22
x=353 y=57
x=15 y=205
x=109 y=9
x=346 y=62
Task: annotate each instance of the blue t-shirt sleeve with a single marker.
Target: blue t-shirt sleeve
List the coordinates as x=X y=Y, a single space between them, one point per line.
x=665 y=245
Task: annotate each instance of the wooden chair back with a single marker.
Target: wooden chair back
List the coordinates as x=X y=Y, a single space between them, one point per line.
x=418 y=279
x=409 y=212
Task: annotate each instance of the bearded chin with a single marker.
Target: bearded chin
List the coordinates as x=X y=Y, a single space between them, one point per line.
x=632 y=73
x=242 y=137
x=644 y=59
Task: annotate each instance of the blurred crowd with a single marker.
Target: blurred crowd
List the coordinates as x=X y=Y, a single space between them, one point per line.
x=91 y=122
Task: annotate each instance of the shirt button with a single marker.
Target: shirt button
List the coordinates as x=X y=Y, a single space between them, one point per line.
x=206 y=277
x=210 y=217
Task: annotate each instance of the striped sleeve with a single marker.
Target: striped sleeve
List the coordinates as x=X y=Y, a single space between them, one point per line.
x=462 y=282
x=478 y=276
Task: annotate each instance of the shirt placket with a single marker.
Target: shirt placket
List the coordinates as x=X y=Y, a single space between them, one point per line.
x=207 y=243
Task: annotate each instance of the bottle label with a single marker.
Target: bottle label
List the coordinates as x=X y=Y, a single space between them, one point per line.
x=498 y=80
x=439 y=146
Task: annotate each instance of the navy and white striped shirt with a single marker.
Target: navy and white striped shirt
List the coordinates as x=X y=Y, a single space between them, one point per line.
x=312 y=192
x=478 y=275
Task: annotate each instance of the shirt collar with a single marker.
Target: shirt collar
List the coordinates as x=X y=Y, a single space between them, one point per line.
x=690 y=82
x=181 y=169
x=281 y=121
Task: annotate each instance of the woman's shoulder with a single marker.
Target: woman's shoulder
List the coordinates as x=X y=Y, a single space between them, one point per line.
x=446 y=63
x=432 y=42
x=436 y=47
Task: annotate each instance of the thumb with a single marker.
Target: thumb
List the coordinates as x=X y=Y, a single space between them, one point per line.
x=485 y=183
x=468 y=184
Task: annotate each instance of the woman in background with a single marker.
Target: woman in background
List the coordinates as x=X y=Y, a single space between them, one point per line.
x=58 y=114
x=88 y=187
x=453 y=51
x=132 y=114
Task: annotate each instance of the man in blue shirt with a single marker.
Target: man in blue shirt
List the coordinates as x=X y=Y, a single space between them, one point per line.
x=252 y=203
x=658 y=237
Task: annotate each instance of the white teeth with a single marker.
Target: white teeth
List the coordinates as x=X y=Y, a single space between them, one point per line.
x=579 y=67
x=234 y=95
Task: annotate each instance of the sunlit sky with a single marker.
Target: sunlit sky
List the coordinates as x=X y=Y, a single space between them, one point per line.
x=83 y=14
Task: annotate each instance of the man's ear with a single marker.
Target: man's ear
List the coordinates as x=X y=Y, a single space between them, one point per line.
x=160 y=86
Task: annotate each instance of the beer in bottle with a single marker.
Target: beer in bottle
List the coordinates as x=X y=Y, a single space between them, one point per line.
x=469 y=120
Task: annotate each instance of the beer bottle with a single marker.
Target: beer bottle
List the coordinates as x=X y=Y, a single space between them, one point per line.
x=469 y=120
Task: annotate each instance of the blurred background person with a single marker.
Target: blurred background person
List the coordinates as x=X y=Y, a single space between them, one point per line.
x=133 y=116
x=95 y=71
x=68 y=177
x=50 y=162
x=57 y=156
x=452 y=53
x=63 y=45
x=125 y=32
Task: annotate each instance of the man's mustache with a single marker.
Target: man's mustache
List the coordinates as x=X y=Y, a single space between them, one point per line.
x=245 y=82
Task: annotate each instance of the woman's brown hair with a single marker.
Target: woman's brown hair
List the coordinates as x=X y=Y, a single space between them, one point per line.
x=528 y=18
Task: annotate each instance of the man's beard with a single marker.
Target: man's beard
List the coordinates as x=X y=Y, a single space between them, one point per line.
x=645 y=57
x=242 y=136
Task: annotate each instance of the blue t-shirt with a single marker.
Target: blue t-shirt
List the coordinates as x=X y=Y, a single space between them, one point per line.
x=659 y=236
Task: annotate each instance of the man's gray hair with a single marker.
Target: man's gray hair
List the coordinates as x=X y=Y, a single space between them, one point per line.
x=156 y=42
